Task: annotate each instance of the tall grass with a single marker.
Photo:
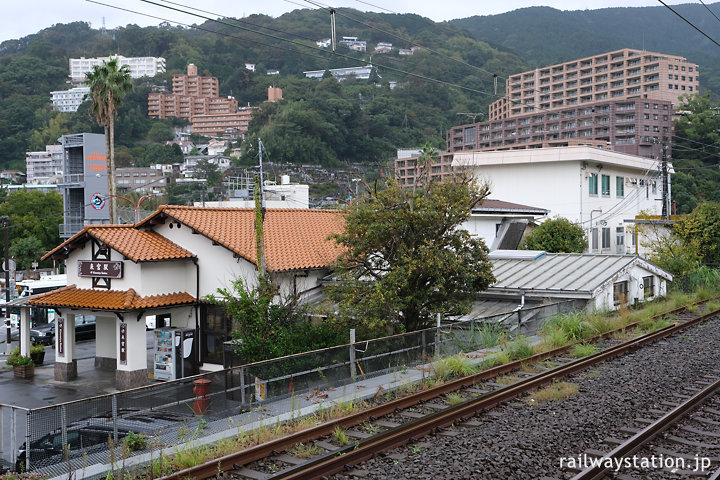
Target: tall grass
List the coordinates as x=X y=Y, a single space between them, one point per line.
x=519 y=348
x=452 y=367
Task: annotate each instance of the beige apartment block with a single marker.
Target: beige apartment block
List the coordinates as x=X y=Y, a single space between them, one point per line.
x=621 y=74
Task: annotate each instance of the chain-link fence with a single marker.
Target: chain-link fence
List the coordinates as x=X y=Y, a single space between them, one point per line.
x=76 y=434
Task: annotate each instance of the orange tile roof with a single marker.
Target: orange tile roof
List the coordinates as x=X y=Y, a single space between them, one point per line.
x=113 y=300
x=137 y=245
x=294 y=238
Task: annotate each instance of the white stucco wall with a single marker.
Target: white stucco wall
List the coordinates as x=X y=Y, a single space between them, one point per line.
x=603 y=300
x=105 y=336
x=136 y=338
x=560 y=183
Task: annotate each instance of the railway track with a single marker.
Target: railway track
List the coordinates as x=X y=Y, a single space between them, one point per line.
x=405 y=420
x=690 y=424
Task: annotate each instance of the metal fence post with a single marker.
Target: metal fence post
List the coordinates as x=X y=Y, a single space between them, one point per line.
x=438 y=338
x=242 y=385
x=115 y=418
x=424 y=345
x=353 y=370
x=27 y=441
x=63 y=425
x=13 y=435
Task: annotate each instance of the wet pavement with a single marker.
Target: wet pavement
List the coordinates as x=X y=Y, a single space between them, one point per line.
x=43 y=389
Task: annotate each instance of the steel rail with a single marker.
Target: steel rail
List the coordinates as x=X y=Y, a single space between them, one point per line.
x=640 y=439
x=229 y=462
x=333 y=462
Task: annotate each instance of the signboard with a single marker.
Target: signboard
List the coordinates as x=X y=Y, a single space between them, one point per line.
x=123 y=343
x=260 y=389
x=95 y=172
x=100 y=268
x=60 y=337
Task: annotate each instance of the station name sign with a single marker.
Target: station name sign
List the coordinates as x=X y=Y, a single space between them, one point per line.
x=100 y=268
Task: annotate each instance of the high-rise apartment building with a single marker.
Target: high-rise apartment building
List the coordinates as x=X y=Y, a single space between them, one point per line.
x=192 y=95
x=44 y=167
x=626 y=73
x=139 y=66
x=69 y=100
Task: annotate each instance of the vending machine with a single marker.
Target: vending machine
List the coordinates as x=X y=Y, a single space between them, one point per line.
x=185 y=352
x=175 y=353
x=164 y=354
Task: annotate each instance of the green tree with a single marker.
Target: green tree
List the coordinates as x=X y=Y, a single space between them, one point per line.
x=557 y=235
x=701 y=227
x=209 y=171
x=268 y=328
x=26 y=250
x=405 y=259
x=109 y=84
x=35 y=214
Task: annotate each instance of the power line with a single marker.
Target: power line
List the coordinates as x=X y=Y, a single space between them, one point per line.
x=708 y=9
x=311 y=47
x=690 y=23
x=339 y=13
x=279 y=47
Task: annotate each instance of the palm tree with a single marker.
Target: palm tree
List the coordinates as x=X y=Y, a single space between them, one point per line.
x=109 y=83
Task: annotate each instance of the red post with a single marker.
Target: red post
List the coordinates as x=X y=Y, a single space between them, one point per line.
x=201 y=390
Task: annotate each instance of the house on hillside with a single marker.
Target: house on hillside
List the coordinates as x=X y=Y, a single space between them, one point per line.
x=166 y=266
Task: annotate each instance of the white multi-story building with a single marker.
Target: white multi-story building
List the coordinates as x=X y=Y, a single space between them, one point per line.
x=44 y=167
x=69 y=100
x=139 y=66
x=599 y=189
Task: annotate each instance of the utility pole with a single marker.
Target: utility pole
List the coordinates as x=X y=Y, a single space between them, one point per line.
x=260 y=217
x=665 y=183
x=5 y=221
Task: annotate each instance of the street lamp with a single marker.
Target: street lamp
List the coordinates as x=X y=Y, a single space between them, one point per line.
x=136 y=206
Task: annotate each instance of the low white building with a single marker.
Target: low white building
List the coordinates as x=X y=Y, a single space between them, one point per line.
x=594 y=187
x=69 y=100
x=165 y=267
x=605 y=282
x=361 y=73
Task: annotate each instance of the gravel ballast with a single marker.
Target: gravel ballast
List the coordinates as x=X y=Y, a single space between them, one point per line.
x=523 y=441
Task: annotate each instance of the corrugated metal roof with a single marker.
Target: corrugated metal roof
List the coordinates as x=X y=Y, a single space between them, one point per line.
x=568 y=272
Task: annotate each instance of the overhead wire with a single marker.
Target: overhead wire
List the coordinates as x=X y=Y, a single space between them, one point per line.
x=311 y=47
x=690 y=23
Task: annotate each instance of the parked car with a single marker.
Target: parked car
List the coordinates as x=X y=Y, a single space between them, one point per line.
x=91 y=435
x=45 y=334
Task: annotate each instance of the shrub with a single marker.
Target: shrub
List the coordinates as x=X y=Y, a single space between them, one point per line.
x=37 y=348
x=17 y=360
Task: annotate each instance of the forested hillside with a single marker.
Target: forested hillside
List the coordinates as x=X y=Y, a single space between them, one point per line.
x=544 y=35
x=319 y=122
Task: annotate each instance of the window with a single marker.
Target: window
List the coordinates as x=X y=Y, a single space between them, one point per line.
x=470 y=135
x=606 y=185
x=620 y=291
x=619 y=186
x=648 y=287
x=605 y=238
x=620 y=239
x=594 y=241
x=593 y=184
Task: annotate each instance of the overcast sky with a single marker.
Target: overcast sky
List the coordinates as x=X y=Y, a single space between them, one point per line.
x=26 y=17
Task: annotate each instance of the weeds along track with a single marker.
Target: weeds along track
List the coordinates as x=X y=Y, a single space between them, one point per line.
x=334 y=446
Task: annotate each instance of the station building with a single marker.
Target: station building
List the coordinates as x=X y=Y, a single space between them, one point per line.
x=167 y=266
